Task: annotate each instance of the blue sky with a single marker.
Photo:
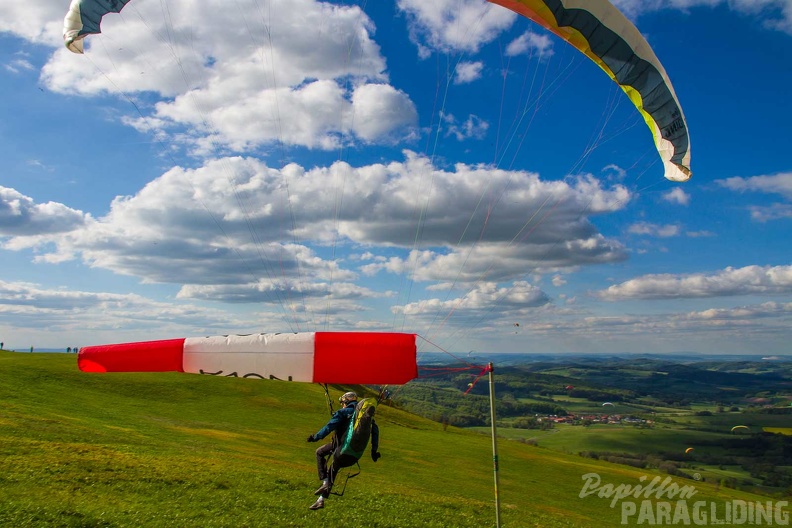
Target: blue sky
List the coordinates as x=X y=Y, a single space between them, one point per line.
x=444 y=168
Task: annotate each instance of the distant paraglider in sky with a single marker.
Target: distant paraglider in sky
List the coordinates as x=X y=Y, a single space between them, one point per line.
x=738 y=427
x=688 y=450
x=608 y=403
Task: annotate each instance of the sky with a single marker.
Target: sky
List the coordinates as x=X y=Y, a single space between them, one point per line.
x=443 y=168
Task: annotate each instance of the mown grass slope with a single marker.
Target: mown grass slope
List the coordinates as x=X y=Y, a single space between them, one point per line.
x=162 y=450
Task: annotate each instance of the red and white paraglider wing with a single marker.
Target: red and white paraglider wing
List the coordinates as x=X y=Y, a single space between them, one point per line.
x=146 y=356
x=366 y=358
x=277 y=356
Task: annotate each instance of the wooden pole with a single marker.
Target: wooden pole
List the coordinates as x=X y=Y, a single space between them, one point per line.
x=494 y=442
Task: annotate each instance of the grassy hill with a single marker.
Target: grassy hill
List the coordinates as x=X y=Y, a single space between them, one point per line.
x=134 y=450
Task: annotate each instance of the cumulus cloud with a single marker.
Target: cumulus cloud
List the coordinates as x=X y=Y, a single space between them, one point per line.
x=727 y=329
x=38 y=22
x=749 y=280
x=532 y=44
x=111 y=317
x=500 y=261
x=677 y=196
x=466 y=25
x=239 y=230
x=316 y=115
x=268 y=292
x=29 y=305
x=20 y=216
x=284 y=79
x=757 y=311
x=313 y=240
x=302 y=73
x=467 y=72
x=479 y=301
x=462 y=25
x=379 y=110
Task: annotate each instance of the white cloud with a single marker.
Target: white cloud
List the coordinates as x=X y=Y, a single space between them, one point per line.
x=19 y=65
x=773 y=184
x=500 y=261
x=479 y=301
x=699 y=234
x=677 y=196
x=748 y=280
x=778 y=184
x=293 y=41
x=759 y=311
x=532 y=44
x=774 y=14
x=473 y=127
x=614 y=172
x=467 y=72
x=65 y=311
x=770 y=212
x=315 y=115
x=299 y=73
x=649 y=229
x=379 y=110
x=20 y=216
x=462 y=25
x=38 y=22
x=728 y=329
x=229 y=223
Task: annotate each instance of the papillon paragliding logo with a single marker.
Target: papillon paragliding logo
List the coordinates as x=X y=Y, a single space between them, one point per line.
x=659 y=501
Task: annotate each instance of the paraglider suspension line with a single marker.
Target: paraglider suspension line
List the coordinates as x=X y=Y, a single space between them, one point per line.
x=349 y=475
x=327 y=397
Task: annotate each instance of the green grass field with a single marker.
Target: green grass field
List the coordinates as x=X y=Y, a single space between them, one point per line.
x=180 y=450
x=619 y=439
x=779 y=430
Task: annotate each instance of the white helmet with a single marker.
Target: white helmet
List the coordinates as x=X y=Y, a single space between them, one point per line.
x=348 y=397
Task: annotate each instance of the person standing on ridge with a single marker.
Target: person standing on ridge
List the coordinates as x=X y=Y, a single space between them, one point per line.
x=338 y=424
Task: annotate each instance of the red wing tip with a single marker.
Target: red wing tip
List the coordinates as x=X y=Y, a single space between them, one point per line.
x=86 y=365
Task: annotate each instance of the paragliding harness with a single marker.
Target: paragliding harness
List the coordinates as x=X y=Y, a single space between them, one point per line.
x=351 y=446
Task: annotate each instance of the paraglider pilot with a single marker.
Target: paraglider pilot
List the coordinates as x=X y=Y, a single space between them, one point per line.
x=338 y=424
